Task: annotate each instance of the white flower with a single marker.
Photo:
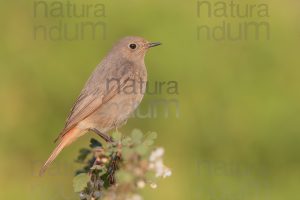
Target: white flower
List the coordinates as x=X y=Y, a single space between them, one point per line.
x=157 y=154
x=141 y=184
x=153 y=185
x=156 y=164
x=167 y=173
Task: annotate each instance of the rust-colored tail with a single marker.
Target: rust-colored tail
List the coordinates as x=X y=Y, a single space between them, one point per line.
x=66 y=140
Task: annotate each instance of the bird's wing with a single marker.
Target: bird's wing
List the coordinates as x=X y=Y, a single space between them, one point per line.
x=96 y=93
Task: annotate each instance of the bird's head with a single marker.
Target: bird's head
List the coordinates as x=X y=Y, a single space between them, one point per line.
x=133 y=48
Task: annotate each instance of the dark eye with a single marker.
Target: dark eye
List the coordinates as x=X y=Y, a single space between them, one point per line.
x=132 y=46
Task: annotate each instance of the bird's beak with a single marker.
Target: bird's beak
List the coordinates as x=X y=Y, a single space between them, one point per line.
x=153 y=44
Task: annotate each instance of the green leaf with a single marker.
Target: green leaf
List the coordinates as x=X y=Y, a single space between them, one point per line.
x=150 y=138
x=126 y=141
x=148 y=142
x=117 y=136
x=95 y=143
x=83 y=153
x=102 y=172
x=152 y=135
x=137 y=136
x=80 y=182
x=141 y=149
x=111 y=150
x=97 y=167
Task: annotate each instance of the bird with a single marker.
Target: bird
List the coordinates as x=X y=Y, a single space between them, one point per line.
x=109 y=97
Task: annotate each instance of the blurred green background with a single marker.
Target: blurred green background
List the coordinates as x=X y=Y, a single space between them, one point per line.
x=237 y=136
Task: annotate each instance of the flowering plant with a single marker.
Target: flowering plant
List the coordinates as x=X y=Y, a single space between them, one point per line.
x=118 y=170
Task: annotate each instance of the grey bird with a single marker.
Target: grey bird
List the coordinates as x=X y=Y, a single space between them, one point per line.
x=110 y=95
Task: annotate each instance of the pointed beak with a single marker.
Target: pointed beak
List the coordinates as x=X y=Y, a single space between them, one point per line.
x=153 y=44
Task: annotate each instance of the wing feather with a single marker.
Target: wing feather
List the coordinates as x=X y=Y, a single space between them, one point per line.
x=96 y=93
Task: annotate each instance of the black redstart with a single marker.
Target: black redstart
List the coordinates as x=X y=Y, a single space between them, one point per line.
x=111 y=94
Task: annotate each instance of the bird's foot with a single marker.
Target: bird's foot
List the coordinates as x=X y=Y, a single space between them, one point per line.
x=106 y=137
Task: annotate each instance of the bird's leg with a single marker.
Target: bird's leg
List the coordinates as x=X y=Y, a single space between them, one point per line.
x=106 y=137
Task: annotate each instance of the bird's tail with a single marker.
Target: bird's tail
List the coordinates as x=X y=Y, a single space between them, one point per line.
x=66 y=140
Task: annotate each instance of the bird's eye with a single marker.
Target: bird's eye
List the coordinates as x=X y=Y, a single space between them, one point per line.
x=132 y=46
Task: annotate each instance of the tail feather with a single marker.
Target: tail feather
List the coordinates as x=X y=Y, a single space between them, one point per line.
x=66 y=140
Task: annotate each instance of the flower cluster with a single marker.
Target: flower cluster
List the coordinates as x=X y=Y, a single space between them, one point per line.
x=156 y=164
x=118 y=170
